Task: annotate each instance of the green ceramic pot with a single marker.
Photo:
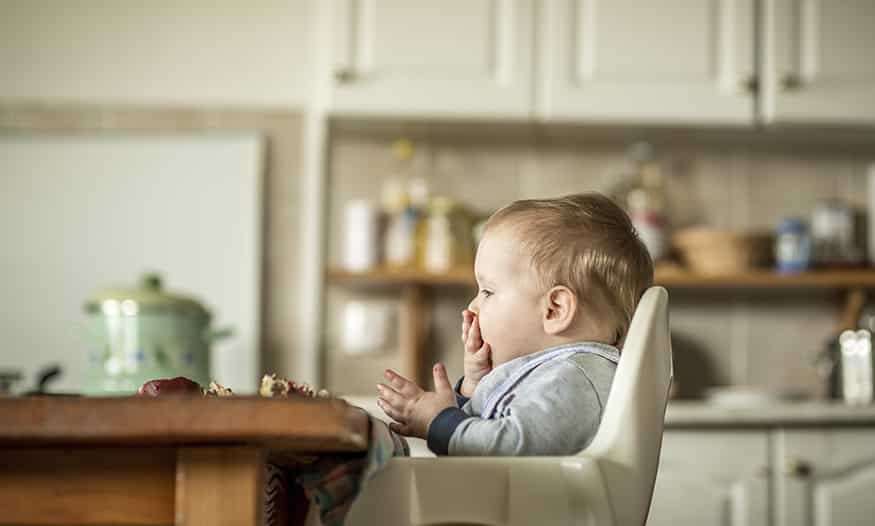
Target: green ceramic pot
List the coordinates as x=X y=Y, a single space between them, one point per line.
x=140 y=334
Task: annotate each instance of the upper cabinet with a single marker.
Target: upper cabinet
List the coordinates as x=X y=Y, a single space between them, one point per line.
x=817 y=64
x=673 y=61
x=466 y=58
x=699 y=62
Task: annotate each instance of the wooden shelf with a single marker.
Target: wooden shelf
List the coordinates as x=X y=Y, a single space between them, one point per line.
x=835 y=279
x=851 y=283
x=672 y=277
x=411 y=324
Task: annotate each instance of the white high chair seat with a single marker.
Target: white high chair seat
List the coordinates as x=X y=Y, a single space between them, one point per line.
x=608 y=483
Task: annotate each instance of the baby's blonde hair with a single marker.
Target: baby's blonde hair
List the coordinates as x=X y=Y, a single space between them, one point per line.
x=588 y=244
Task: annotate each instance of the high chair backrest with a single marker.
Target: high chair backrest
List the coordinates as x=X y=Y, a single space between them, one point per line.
x=629 y=437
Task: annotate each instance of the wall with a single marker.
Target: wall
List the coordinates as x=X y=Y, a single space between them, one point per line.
x=177 y=52
x=188 y=205
x=283 y=221
x=189 y=65
x=732 y=179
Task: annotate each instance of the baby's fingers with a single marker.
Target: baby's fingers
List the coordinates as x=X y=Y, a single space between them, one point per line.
x=484 y=353
x=387 y=408
x=474 y=341
x=401 y=384
x=481 y=360
x=390 y=396
x=391 y=402
x=467 y=318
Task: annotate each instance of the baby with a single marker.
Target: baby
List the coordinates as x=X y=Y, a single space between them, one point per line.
x=558 y=280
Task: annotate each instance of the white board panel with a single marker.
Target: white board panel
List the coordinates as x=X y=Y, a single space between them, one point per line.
x=79 y=213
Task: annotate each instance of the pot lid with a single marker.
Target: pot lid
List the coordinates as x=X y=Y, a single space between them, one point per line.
x=148 y=296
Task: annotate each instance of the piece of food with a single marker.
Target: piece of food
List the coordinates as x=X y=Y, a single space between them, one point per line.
x=272 y=386
x=276 y=386
x=164 y=386
x=217 y=389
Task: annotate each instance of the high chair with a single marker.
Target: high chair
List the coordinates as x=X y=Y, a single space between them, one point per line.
x=608 y=483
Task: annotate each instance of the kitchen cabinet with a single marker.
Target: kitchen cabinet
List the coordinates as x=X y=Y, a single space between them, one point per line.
x=713 y=62
x=817 y=64
x=824 y=477
x=640 y=61
x=712 y=477
x=772 y=475
x=466 y=58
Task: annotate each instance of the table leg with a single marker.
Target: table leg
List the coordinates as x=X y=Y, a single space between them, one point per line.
x=219 y=486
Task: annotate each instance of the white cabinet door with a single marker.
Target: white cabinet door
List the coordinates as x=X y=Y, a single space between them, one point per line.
x=640 y=61
x=453 y=58
x=825 y=477
x=712 y=477
x=818 y=64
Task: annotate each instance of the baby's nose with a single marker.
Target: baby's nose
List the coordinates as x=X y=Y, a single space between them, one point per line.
x=473 y=306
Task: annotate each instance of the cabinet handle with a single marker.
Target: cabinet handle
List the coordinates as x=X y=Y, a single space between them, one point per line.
x=790 y=82
x=345 y=75
x=799 y=469
x=750 y=84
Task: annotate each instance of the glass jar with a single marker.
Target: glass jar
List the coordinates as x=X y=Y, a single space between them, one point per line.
x=792 y=246
x=833 y=240
x=446 y=240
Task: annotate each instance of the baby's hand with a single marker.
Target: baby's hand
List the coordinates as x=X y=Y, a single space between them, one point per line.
x=478 y=354
x=412 y=408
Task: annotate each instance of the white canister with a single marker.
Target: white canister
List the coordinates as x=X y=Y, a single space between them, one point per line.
x=365 y=326
x=360 y=236
x=856 y=348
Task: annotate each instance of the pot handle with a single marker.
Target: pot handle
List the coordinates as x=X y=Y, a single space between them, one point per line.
x=211 y=335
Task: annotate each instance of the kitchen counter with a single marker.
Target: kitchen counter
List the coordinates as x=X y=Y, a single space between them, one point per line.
x=697 y=414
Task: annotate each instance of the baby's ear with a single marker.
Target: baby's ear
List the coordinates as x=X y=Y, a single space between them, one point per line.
x=560 y=309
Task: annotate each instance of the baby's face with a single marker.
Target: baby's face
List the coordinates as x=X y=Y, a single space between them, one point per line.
x=508 y=302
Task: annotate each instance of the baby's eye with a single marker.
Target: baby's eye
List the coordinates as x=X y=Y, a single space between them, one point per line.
x=486 y=293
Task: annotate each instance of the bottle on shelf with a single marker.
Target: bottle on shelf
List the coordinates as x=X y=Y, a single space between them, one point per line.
x=404 y=198
x=438 y=239
x=399 y=247
x=446 y=241
x=792 y=246
x=834 y=236
x=640 y=188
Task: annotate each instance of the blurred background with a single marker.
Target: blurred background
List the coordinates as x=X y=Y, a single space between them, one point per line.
x=218 y=190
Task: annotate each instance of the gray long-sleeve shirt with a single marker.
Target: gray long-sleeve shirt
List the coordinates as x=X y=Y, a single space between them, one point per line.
x=545 y=403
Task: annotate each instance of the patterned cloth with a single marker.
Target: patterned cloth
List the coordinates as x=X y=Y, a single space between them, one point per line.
x=330 y=482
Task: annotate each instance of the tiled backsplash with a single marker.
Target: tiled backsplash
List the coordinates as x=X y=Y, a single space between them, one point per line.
x=733 y=179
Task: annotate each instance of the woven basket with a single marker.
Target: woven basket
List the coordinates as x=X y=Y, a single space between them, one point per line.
x=713 y=251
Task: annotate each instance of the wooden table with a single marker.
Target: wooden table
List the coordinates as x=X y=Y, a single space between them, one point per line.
x=157 y=461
